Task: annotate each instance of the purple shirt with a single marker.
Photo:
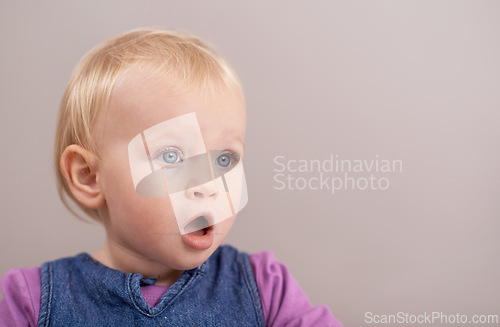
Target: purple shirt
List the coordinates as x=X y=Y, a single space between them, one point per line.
x=283 y=301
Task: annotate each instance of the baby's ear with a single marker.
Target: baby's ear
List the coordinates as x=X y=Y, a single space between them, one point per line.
x=79 y=168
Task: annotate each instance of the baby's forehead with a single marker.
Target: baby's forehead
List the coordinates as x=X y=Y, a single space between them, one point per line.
x=168 y=96
x=140 y=102
x=184 y=129
x=158 y=107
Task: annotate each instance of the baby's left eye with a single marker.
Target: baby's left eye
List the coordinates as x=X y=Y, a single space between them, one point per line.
x=224 y=160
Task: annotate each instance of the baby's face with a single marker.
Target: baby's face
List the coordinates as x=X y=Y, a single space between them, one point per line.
x=169 y=160
x=171 y=164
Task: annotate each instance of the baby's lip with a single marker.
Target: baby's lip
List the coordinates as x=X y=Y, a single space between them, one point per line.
x=196 y=223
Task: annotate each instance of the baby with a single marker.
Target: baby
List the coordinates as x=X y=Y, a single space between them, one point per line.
x=150 y=143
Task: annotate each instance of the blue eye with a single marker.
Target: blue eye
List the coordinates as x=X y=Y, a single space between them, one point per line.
x=170 y=157
x=224 y=160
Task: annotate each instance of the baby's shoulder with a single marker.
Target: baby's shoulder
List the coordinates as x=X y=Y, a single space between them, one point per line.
x=267 y=269
x=21 y=288
x=283 y=300
x=19 y=277
x=260 y=261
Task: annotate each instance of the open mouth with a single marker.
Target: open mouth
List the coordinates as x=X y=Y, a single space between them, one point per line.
x=199 y=231
x=198 y=226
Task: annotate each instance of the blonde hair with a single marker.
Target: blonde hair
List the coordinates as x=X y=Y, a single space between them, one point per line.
x=179 y=55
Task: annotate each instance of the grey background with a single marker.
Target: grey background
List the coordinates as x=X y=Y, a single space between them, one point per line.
x=410 y=80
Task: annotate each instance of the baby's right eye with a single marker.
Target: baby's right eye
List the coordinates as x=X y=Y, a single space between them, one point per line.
x=170 y=156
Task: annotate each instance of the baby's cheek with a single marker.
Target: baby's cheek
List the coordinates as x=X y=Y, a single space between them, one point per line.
x=154 y=213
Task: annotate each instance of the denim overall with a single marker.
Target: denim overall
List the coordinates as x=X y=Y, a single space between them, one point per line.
x=79 y=291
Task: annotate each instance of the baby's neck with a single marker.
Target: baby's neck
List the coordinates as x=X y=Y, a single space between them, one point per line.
x=118 y=258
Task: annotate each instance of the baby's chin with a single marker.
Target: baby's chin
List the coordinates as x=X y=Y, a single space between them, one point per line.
x=193 y=258
x=187 y=257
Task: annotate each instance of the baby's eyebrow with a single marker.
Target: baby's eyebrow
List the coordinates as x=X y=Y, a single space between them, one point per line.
x=157 y=140
x=172 y=135
x=229 y=138
x=234 y=133
x=235 y=145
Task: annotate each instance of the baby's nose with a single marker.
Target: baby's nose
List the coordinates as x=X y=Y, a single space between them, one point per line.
x=207 y=190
